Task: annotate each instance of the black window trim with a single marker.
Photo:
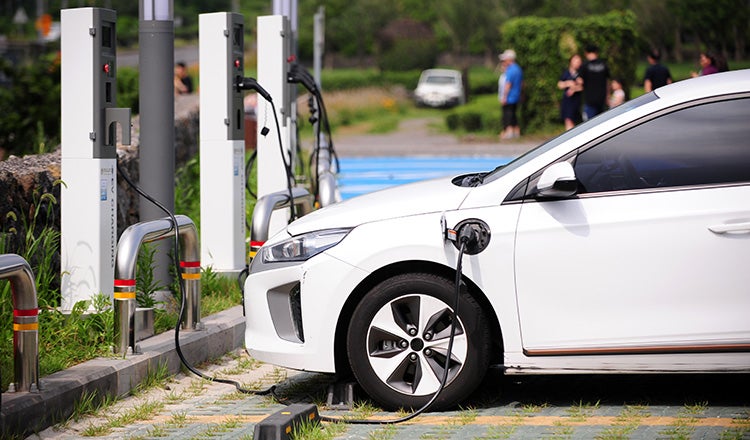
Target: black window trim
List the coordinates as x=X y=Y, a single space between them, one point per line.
x=530 y=196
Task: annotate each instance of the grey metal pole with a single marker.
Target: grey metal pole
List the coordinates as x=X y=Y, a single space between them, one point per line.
x=156 y=90
x=319 y=36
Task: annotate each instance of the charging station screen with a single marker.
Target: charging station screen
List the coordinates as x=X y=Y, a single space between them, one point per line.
x=107 y=36
x=237 y=36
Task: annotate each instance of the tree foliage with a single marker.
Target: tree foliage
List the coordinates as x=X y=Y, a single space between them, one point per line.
x=30 y=105
x=545 y=44
x=29 y=95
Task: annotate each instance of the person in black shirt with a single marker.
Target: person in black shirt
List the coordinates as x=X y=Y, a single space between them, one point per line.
x=657 y=75
x=595 y=75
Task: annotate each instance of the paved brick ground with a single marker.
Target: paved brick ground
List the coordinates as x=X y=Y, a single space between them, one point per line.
x=579 y=407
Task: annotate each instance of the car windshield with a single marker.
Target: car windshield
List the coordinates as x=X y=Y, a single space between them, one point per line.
x=575 y=131
x=440 y=79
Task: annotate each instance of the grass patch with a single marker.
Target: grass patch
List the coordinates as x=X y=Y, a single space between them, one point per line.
x=529 y=409
x=466 y=416
x=173 y=397
x=197 y=386
x=142 y=411
x=684 y=425
x=626 y=422
x=499 y=432
x=158 y=377
x=363 y=409
x=385 y=433
x=88 y=405
x=178 y=420
x=316 y=431
x=581 y=411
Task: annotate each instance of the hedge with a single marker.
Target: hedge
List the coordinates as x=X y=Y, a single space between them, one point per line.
x=544 y=45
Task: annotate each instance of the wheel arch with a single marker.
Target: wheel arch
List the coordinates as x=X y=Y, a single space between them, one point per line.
x=404 y=267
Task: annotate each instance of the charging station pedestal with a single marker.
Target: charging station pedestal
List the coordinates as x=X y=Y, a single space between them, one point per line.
x=222 y=141
x=274 y=49
x=89 y=168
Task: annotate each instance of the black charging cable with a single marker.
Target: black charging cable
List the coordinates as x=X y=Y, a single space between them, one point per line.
x=299 y=75
x=247 y=83
x=248 y=168
x=175 y=257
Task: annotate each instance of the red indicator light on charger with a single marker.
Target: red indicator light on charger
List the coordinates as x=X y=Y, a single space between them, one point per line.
x=107 y=68
x=237 y=63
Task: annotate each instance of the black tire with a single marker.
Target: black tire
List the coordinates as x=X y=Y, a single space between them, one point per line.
x=402 y=370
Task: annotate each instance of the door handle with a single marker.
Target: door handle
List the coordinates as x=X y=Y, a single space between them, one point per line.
x=730 y=227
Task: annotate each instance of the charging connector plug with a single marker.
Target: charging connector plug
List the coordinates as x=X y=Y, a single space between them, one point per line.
x=247 y=83
x=298 y=75
x=473 y=233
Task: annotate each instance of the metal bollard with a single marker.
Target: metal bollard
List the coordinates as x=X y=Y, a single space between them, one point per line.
x=125 y=275
x=265 y=206
x=124 y=311
x=25 y=322
x=191 y=276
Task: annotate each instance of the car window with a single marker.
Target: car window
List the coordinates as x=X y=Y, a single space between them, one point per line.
x=701 y=145
x=553 y=143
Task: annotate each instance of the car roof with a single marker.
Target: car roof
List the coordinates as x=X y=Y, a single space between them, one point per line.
x=447 y=72
x=725 y=83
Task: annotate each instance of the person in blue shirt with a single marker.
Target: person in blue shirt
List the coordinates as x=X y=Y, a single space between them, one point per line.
x=510 y=95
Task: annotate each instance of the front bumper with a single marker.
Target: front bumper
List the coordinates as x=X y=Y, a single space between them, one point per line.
x=292 y=310
x=437 y=100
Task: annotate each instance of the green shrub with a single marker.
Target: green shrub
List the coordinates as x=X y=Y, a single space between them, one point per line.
x=482 y=81
x=544 y=45
x=471 y=121
x=30 y=106
x=127 y=88
x=453 y=121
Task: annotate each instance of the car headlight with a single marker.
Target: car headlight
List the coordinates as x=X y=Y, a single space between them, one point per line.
x=303 y=247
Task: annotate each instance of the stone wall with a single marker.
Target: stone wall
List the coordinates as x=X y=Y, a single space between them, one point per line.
x=23 y=180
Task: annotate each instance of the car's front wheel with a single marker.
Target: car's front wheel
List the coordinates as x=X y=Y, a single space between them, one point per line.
x=398 y=337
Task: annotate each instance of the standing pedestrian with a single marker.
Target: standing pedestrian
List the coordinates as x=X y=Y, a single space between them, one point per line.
x=571 y=84
x=657 y=75
x=510 y=95
x=595 y=74
x=183 y=83
x=618 y=94
x=707 y=61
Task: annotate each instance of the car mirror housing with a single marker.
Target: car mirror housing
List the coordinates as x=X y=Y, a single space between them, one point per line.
x=557 y=181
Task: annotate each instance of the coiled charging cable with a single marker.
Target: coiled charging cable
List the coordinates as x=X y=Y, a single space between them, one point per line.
x=178 y=348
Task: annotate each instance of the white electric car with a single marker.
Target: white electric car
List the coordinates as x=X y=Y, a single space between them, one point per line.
x=620 y=246
x=440 y=88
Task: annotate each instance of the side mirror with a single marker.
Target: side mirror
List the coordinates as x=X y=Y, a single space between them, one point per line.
x=557 y=181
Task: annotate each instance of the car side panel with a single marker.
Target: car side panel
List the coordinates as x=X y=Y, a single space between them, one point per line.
x=634 y=272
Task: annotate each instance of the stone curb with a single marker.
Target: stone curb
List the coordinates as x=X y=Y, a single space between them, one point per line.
x=24 y=413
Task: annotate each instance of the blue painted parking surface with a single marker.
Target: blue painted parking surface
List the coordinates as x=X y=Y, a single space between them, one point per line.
x=361 y=175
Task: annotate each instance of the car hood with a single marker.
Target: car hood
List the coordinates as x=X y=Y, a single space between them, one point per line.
x=435 y=195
